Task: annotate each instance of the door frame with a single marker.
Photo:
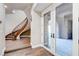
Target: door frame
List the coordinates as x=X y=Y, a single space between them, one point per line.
x=75 y=29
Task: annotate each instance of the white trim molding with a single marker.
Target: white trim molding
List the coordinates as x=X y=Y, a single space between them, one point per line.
x=35 y=46
x=40 y=45
x=2 y=54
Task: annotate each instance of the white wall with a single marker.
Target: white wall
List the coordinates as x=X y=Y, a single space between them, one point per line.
x=35 y=29
x=12 y=20
x=2 y=38
x=28 y=12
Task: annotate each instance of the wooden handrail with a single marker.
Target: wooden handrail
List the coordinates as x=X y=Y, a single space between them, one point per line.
x=17 y=31
x=19 y=25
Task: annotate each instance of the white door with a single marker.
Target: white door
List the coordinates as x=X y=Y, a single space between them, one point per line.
x=49 y=30
x=52 y=31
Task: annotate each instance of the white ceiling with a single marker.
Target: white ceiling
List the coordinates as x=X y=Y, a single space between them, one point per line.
x=41 y=6
x=17 y=6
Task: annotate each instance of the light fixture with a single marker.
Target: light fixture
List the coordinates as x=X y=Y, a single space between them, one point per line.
x=5 y=6
x=13 y=11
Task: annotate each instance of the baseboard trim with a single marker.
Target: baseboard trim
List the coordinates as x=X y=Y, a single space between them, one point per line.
x=2 y=54
x=52 y=52
x=35 y=46
x=40 y=45
x=48 y=50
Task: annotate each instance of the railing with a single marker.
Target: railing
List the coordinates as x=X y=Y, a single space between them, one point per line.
x=24 y=25
x=18 y=29
x=20 y=25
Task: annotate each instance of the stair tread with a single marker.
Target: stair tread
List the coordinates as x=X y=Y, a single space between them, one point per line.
x=25 y=36
x=8 y=38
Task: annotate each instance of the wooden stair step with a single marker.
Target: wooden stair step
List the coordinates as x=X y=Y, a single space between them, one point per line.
x=8 y=38
x=25 y=36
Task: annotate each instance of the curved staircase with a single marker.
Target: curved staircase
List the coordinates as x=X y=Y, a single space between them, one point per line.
x=26 y=34
x=12 y=44
x=22 y=27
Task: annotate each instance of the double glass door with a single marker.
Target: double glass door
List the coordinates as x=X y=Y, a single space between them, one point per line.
x=59 y=30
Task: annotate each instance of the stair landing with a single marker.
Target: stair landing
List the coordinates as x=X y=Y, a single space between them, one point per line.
x=17 y=44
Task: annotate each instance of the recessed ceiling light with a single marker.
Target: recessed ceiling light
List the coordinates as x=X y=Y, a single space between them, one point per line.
x=13 y=11
x=5 y=6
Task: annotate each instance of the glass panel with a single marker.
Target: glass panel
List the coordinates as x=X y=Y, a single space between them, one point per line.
x=64 y=29
x=47 y=30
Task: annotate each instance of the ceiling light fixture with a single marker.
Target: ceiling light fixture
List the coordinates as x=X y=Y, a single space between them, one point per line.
x=5 y=6
x=13 y=11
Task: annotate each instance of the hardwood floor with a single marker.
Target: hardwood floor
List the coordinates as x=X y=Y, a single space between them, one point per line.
x=17 y=44
x=30 y=52
x=23 y=48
